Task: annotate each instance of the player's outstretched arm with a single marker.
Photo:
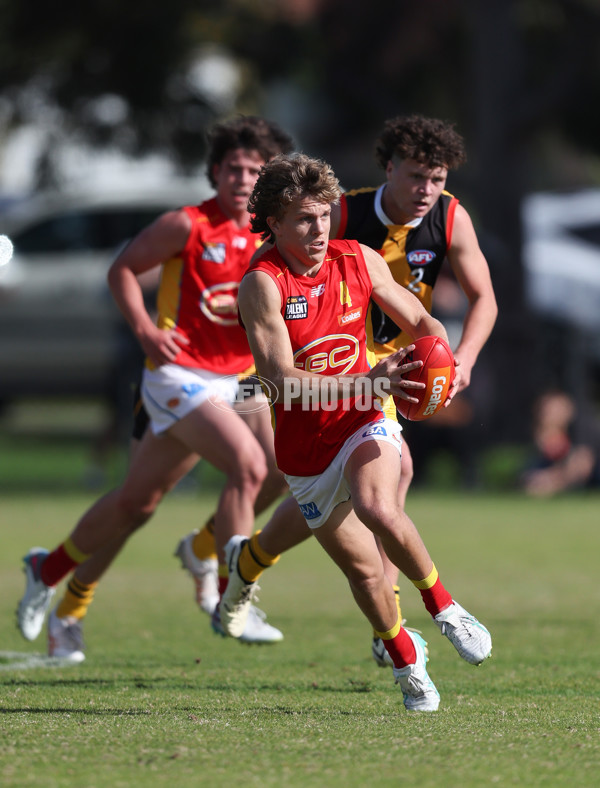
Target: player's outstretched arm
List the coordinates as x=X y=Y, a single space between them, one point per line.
x=473 y=275
x=400 y=304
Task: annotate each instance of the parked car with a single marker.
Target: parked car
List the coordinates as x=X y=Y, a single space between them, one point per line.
x=60 y=331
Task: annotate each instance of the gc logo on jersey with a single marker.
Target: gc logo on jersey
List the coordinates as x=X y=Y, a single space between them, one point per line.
x=219 y=303
x=296 y=308
x=420 y=257
x=334 y=354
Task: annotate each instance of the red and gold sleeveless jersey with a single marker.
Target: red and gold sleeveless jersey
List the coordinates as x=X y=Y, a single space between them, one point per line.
x=326 y=319
x=414 y=252
x=198 y=291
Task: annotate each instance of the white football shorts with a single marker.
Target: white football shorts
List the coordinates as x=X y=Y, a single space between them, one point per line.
x=170 y=392
x=317 y=496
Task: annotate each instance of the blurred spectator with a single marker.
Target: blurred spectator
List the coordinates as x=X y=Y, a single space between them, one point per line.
x=567 y=447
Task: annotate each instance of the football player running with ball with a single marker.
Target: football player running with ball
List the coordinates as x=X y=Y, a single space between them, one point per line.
x=415 y=224
x=308 y=297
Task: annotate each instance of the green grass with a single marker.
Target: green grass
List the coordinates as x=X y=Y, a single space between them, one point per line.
x=162 y=701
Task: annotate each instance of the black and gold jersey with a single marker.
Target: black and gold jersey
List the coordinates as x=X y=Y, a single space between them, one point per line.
x=414 y=252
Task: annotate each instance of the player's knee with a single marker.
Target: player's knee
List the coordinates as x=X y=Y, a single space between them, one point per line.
x=365 y=582
x=250 y=471
x=378 y=515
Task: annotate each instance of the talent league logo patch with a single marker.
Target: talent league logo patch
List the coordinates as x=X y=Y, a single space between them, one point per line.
x=296 y=308
x=420 y=257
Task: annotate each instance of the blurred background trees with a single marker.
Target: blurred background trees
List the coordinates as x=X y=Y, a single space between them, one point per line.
x=146 y=75
x=517 y=76
x=520 y=78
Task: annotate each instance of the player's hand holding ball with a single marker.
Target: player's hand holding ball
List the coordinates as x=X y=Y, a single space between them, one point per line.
x=428 y=373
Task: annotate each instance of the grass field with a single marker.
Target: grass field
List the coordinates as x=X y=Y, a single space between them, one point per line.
x=162 y=701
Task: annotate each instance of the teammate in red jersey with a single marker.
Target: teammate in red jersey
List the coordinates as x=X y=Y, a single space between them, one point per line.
x=415 y=224
x=305 y=304
x=195 y=354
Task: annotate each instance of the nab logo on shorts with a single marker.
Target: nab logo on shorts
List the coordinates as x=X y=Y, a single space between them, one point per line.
x=420 y=257
x=296 y=308
x=376 y=429
x=310 y=510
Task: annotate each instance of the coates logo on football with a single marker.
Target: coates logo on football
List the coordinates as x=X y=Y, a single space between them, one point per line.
x=437 y=386
x=420 y=257
x=252 y=393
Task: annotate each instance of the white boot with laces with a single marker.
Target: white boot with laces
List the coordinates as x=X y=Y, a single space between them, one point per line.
x=468 y=635
x=236 y=614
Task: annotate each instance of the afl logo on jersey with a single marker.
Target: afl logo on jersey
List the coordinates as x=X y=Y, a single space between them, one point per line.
x=219 y=303
x=420 y=257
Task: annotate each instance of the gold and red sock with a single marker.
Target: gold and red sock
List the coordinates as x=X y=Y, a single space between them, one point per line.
x=399 y=645
x=78 y=597
x=435 y=596
x=203 y=544
x=254 y=560
x=60 y=562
